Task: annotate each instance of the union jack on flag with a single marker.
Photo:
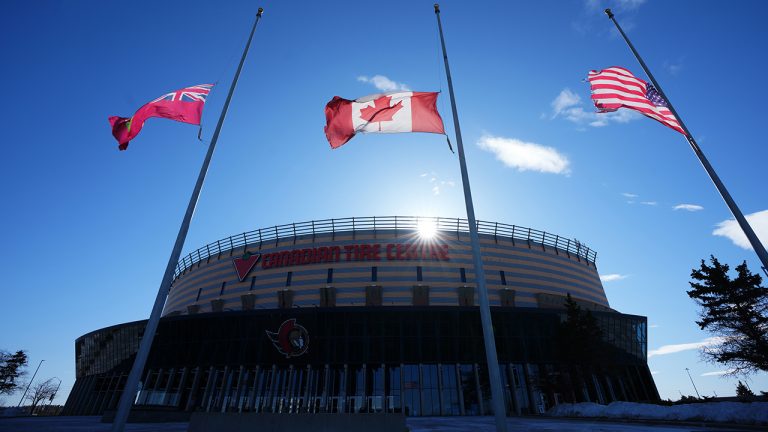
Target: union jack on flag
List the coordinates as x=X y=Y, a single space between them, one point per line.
x=185 y=105
x=196 y=93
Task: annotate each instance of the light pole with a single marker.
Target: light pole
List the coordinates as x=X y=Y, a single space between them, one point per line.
x=694 y=385
x=30 y=383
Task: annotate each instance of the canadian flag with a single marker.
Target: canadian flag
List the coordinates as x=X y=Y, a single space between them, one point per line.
x=381 y=113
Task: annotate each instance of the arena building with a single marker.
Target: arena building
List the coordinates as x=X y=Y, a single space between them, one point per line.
x=373 y=314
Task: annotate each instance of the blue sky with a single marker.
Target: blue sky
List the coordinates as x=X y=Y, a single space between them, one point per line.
x=88 y=229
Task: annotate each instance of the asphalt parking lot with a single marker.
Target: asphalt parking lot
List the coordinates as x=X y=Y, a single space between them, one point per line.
x=415 y=424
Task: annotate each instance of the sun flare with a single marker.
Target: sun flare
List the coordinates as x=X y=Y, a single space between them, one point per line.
x=427 y=228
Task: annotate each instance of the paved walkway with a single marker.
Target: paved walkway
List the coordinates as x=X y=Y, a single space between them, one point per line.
x=415 y=424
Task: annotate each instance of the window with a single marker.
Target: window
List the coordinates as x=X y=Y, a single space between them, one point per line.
x=374 y=274
x=466 y=296
x=503 y=277
x=430 y=390
x=373 y=295
x=450 y=391
x=285 y=299
x=356 y=389
x=329 y=279
x=393 y=392
x=463 y=275
x=248 y=301
x=420 y=295
x=418 y=274
x=469 y=390
x=327 y=297
x=288 y=279
x=507 y=297
x=411 y=393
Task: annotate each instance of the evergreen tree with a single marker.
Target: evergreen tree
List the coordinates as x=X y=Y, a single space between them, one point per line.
x=743 y=392
x=580 y=348
x=736 y=312
x=11 y=368
x=580 y=334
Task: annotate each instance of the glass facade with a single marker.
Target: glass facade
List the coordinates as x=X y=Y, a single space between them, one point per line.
x=421 y=361
x=104 y=350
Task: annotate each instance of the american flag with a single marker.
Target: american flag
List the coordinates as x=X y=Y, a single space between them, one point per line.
x=196 y=93
x=616 y=87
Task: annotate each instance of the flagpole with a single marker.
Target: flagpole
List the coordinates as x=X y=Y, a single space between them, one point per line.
x=497 y=395
x=131 y=385
x=751 y=236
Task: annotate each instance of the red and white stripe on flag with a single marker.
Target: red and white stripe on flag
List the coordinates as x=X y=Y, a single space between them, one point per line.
x=616 y=87
x=381 y=113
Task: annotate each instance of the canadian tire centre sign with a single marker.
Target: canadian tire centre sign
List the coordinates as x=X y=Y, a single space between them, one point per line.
x=357 y=252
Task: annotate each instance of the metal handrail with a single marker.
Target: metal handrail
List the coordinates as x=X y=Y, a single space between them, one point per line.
x=496 y=230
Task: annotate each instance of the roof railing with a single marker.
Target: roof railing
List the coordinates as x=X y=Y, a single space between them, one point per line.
x=404 y=224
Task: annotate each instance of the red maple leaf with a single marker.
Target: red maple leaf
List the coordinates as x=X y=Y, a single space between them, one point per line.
x=381 y=111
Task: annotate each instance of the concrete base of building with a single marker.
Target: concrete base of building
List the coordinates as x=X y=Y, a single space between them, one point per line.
x=150 y=415
x=234 y=422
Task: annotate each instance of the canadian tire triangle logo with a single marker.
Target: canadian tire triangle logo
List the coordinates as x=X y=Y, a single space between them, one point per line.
x=245 y=263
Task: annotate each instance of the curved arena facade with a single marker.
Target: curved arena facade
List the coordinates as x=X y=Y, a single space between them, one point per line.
x=375 y=314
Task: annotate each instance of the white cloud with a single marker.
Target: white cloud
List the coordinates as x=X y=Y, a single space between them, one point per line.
x=592 y=4
x=620 y=116
x=673 y=68
x=654 y=372
x=525 y=156
x=629 y=195
x=436 y=184
x=675 y=348
x=612 y=277
x=591 y=20
x=622 y=5
x=565 y=99
x=653 y=326
x=730 y=229
x=649 y=203
x=688 y=207
x=629 y=4
x=568 y=105
x=718 y=373
x=383 y=83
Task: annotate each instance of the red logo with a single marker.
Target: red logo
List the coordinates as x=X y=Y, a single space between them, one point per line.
x=291 y=339
x=245 y=264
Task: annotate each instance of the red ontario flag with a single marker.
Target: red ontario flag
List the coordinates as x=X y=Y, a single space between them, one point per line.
x=381 y=113
x=185 y=105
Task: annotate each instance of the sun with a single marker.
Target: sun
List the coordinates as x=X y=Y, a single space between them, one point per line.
x=427 y=228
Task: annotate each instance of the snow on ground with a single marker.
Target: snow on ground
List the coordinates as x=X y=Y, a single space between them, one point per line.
x=754 y=413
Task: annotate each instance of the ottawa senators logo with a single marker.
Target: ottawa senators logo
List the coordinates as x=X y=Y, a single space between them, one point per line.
x=291 y=339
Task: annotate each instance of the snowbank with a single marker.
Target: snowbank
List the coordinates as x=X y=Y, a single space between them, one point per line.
x=724 y=412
